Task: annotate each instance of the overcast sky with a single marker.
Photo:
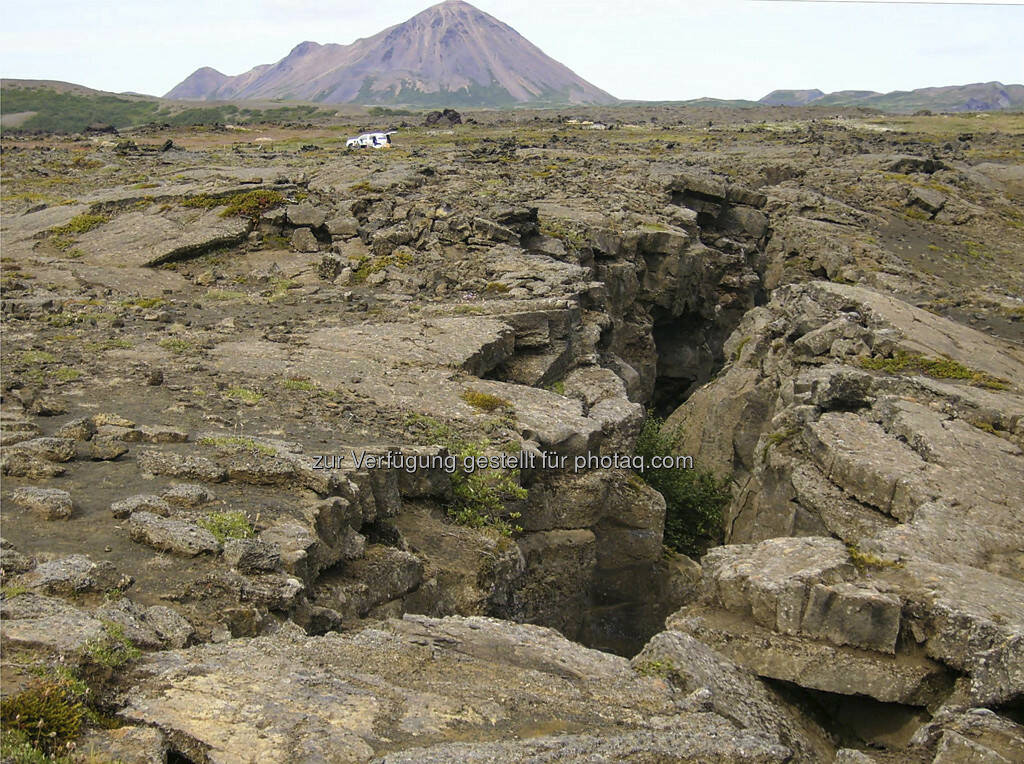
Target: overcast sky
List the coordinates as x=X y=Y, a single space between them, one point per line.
x=643 y=49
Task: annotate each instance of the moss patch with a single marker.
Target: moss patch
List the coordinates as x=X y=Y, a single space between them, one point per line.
x=485 y=401
x=939 y=368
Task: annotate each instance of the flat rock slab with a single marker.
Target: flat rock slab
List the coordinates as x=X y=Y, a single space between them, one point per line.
x=475 y=345
x=817 y=665
x=426 y=688
x=935 y=336
x=142 y=239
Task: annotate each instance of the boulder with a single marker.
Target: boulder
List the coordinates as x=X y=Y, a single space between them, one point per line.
x=49 y=503
x=169 y=535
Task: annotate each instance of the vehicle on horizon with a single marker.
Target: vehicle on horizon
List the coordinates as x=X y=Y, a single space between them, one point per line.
x=370 y=141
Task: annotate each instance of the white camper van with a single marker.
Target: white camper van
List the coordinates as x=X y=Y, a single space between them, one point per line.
x=370 y=141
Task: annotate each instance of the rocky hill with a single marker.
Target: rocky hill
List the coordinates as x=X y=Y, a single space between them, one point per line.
x=986 y=96
x=450 y=54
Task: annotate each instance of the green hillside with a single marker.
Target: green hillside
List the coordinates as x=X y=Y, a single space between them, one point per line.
x=63 y=108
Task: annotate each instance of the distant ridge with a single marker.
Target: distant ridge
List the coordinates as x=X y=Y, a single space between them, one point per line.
x=450 y=54
x=981 y=96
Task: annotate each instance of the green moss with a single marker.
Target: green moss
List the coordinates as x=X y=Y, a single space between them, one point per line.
x=13 y=590
x=250 y=204
x=81 y=224
x=37 y=357
x=65 y=374
x=939 y=368
x=777 y=438
x=484 y=401
x=235 y=443
x=864 y=560
x=144 y=302
x=179 y=346
x=243 y=394
x=573 y=239
x=366 y=266
x=557 y=387
x=657 y=668
x=227 y=525
x=739 y=348
x=296 y=383
x=977 y=251
x=496 y=287
x=108 y=344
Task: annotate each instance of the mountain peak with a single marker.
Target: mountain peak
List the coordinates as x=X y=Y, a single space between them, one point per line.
x=451 y=54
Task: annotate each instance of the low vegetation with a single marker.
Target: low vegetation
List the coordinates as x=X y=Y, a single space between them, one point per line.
x=113 y=649
x=250 y=204
x=939 y=368
x=863 y=561
x=485 y=401
x=63 y=237
x=237 y=443
x=43 y=718
x=479 y=497
x=694 y=499
x=244 y=395
x=227 y=525
x=179 y=346
x=74 y=112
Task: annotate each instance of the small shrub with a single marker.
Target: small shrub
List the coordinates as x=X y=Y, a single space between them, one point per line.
x=479 y=497
x=227 y=525
x=694 y=499
x=484 y=401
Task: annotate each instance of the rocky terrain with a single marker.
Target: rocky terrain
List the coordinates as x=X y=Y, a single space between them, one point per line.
x=202 y=328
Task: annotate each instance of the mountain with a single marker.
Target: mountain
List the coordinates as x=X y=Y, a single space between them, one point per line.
x=450 y=54
x=791 y=97
x=981 y=96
